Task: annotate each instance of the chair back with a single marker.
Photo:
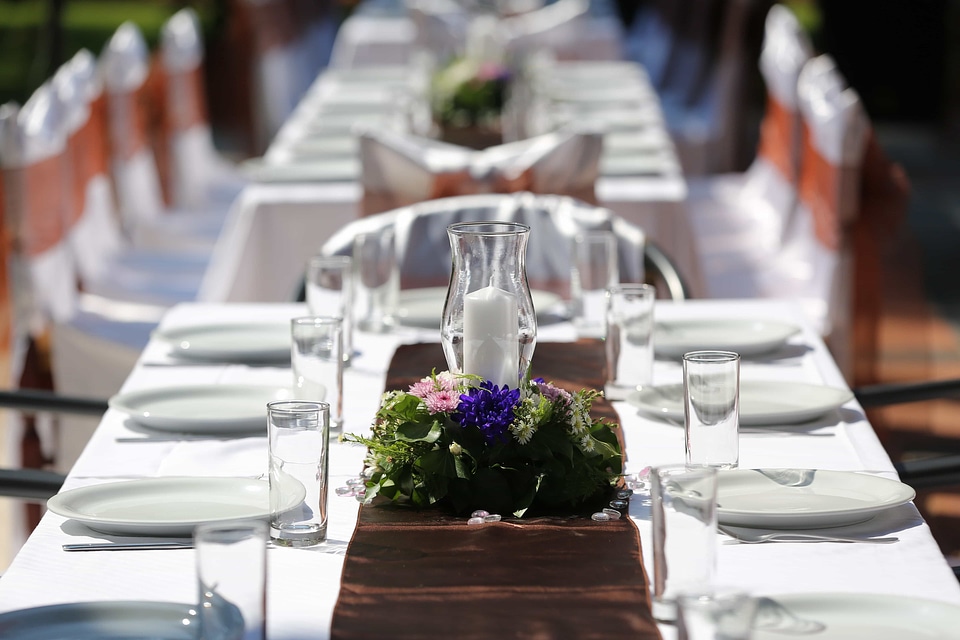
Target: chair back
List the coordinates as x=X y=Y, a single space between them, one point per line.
x=36 y=176
x=125 y=68
x=93 y=228
x=185 y=127
x=399 y=169
x=423 y=249
x=786 y=48
x=835 y=135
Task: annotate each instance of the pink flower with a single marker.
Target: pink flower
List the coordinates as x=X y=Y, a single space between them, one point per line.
x=442 y=401
x=423 y=388
x=447 y=381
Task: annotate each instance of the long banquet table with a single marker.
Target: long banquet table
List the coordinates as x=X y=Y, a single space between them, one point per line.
x=303 y=584
x=307 y=185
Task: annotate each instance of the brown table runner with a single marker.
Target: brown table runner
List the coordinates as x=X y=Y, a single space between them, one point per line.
x=424 y=574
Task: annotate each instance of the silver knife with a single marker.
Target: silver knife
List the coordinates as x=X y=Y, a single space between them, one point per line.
x=126 y=546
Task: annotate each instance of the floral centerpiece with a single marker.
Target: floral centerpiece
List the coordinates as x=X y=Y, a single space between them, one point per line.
x=467 y=98
x=459 y=440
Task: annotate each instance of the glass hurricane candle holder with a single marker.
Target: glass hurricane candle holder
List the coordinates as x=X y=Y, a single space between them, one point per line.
x=489 y=326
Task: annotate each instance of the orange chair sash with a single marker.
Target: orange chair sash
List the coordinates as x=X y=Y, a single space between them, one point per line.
x=36 y=198
x=777 y=133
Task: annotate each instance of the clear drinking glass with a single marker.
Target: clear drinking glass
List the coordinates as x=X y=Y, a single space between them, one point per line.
x=299 y=459
x=594 y=269
x=316 y=349
x=231 y=579
x=330 y=293
x=711 y=394
x=629 y=341
x=716 y=614
x=684 y=517
x=377 y=281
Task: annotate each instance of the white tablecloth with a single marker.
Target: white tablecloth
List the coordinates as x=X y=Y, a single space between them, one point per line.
x=303 y=584
x=277 y=224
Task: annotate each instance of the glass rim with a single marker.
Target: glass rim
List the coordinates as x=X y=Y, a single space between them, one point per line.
x=489 y=227
x=316 y=321
x=334 y=259
x=631 y=287
x=250 y=526
x=682 y=467
x=292 y=407
x=711 y=355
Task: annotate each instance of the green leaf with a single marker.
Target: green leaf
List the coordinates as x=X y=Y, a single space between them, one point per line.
x=491 y=491
x=464 y=466
x=440 y=462
x=419 y=431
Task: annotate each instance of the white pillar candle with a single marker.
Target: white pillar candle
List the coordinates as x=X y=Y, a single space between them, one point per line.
x=491 y=346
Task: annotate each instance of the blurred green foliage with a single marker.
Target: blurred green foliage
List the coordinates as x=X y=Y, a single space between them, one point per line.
x=29 y=43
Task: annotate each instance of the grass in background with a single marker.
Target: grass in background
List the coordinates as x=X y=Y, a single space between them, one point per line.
x=25 y=40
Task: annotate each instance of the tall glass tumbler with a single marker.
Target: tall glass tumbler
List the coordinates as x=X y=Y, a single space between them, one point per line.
x=684 y=517
x=594 y=269
x=377 y=280
x=316 y=350
x=711 y=395
x=329 y=286
x=232 y=579
x=629 y=341
x=298 y=435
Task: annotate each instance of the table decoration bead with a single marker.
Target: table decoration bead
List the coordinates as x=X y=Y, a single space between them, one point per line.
x=464 y=442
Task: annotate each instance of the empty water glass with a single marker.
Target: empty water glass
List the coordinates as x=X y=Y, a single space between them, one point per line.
x=231 y=578
x=316 y=357
x=329 y=287
x=298 y=434
x=594 y=269
x=377 y=281
x=629 y=341
x=715 y=614
x=683 y=509
x=711 y=394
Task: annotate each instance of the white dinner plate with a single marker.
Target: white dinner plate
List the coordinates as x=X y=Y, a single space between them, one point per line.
x=762 y=402
x=746 y=337
x=804 y=498
x=207 y=409
x=423 y=307
x=170 y=506
x=103 y=621
x=243 y=342
x=850 y=616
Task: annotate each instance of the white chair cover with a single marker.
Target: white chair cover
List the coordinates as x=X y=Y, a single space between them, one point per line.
x=199 y=177
x=423 y=249
x=399 y=169
x=125 y=68
x=105 y=265
x=33 y=154
x=816 y=265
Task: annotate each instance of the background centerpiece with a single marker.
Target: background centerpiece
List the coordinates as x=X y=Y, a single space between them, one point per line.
x=469 y=91
x=483 y=435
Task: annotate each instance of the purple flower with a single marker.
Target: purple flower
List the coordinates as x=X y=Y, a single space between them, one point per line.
x=552 y=393
x=490 y=409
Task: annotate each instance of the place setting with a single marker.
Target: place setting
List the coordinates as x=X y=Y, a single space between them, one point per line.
x=749 y=338
x=249 y=343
